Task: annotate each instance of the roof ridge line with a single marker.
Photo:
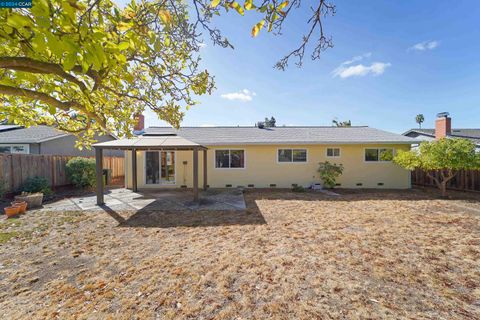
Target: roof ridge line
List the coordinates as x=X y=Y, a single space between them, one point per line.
x=246 y=127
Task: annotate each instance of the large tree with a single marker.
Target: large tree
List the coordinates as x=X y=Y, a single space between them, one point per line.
x=441 y=159
x=88 y=66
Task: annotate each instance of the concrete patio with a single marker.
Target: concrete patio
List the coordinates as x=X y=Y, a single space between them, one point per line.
x=153 y=200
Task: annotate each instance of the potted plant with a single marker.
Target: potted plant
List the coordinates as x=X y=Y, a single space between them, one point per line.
x=22 y=205
x=11 y=211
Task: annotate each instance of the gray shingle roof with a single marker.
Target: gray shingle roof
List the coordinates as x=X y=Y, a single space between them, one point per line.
x=471 y=134
x=149 y=142
x=35 y=134
x=6 y=127
x=283 y=135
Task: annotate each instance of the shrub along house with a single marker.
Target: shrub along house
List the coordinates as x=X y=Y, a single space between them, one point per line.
x=255 y=157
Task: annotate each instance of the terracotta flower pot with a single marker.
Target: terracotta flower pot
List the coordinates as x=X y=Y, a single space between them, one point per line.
x=22 y=206
x=11 y=211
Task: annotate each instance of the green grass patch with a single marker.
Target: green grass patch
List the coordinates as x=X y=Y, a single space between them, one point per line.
x=5 y=236
x=10 y=223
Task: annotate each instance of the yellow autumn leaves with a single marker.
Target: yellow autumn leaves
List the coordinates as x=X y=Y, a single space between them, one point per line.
x=272 y=12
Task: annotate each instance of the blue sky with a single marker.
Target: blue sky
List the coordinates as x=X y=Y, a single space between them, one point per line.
x=391 y=60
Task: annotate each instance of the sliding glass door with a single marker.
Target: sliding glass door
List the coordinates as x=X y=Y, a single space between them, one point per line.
x=159 y=167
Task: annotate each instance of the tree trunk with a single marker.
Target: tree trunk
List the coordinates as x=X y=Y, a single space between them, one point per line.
x=443 y=188
x=442 y=184
x=445 y=180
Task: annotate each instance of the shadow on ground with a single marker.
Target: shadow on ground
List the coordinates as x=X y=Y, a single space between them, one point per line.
x=154 y=218
x=166 y=209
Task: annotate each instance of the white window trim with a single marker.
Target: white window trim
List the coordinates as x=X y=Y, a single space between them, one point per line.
x=292 y=162
x=26 y=146
x=229 y=158
x=378 y=148
x=339 y=152
x=160 y=158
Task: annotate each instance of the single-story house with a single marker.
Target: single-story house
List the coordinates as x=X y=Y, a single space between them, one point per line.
x=443 y=129
x=254 y=157
x=45 y=140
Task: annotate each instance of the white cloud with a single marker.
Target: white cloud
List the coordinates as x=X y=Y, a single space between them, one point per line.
x=425 y=45
x=349 y=69
x=357 y=58
x=243 y=95
x=360 y=70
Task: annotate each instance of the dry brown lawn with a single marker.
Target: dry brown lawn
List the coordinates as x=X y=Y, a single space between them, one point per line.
x=363 y=255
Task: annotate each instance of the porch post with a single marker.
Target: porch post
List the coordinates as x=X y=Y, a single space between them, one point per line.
x=205 y=182
x=99 y=176
x=134 y=170
x=195 y=174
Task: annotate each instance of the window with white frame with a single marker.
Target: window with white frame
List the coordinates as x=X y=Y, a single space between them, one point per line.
x=229 y=158
x=14 y=148
x=333 y=152
x=379 y=154
x=292 y=155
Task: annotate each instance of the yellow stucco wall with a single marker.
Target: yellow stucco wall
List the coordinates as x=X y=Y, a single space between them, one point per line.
x=262 y=169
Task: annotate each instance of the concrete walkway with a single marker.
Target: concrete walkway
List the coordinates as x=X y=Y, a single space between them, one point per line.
x=154 y=200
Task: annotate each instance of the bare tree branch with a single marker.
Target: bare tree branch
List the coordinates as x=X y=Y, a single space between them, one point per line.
x=323 y=43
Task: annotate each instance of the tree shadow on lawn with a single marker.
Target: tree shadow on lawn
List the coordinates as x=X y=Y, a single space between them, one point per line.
x=151 y=217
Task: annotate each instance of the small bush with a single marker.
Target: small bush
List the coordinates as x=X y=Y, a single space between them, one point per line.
x=81 y=172
x=329 y=172
x=298 y=189
x=36 y=184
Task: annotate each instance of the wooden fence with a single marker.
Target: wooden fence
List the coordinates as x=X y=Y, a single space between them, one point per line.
x=466 y=180
x=16 y=168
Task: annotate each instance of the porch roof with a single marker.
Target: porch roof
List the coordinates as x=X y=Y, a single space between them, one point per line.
x=152 y=143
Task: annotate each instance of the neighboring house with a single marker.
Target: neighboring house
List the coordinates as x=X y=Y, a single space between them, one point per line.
x=443 y=129
x=272 y=157
x=44 y=140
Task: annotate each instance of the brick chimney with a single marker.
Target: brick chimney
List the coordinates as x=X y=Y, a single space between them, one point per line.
x=140 y=125
x=443 y=125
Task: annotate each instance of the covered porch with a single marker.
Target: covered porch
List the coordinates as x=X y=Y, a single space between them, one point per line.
x=150 y=143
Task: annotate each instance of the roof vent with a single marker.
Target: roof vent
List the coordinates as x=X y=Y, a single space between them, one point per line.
x=159 y=134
